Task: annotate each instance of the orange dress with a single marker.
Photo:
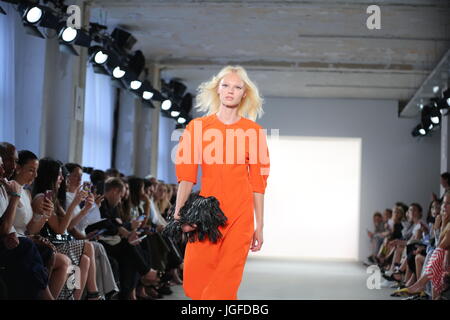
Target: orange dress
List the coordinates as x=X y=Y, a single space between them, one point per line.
x=213 y=271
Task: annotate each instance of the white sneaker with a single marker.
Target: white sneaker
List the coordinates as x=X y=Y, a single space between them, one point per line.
x=387 y=284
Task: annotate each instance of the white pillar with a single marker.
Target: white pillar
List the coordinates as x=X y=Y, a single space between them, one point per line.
x=63 y=100
x=156 y=82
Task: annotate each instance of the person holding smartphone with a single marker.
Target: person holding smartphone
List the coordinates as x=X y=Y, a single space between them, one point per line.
x=81 y=253
x=24 y=272
x=124 y=246
x=82 y=218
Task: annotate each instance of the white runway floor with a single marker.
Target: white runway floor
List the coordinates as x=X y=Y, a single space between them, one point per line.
x=267 y=279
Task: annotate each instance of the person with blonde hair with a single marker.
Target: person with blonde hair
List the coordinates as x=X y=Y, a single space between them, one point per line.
x=234 y=173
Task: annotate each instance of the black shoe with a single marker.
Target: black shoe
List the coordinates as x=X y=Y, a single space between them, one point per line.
x=166 y=277
x=165 y=290
x=113 y=295
x=153 y=292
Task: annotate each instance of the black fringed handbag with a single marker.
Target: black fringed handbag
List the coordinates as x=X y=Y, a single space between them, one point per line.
x=201 y=211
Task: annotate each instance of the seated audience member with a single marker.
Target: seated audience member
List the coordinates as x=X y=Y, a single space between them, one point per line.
x=388 y=220
x=154 y=245
x=29 y=222
x=445 y=183
x=436 y=266
x=123 y=245
x=98 y=178
x=387 y=248
x=112 y=173
x=413 y=229
x=50 y=183
x=82 y=218
x=22 y=270
x=377 y=236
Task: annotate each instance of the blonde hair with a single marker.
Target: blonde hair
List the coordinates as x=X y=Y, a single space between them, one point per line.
x=207 y=99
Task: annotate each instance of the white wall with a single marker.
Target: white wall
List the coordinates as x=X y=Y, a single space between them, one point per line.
x=29 y=83
x=395 y=166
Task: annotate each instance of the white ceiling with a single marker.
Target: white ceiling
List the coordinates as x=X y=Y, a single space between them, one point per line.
x=314 y=49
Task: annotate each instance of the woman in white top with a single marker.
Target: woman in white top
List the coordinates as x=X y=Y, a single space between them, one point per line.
x=29 y=221
x=82 y=217
x=81 y=253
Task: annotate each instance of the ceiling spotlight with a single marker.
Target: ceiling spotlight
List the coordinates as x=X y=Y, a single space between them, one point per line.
x=175 y=114
x=135 y=84
x=33 y=15
x=435 y=114
x=435 y=89
x=100 y=57
x=429 y=112
x=166 y=104
x=147 y=95
x=418 y=131
x=98 y=54
x=118 y=73
x=68 y=34
x=147 y=90
x=181 y=120
x=446 y=96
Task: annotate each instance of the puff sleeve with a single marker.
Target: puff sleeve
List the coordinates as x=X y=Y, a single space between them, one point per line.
x=259 y=171
x=186 y=160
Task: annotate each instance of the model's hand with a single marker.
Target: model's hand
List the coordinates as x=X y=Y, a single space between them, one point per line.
x=188 y=227
x=257 y=240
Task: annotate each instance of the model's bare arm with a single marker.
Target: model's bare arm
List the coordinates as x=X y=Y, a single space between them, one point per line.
x=184 y=190
x=258 y=201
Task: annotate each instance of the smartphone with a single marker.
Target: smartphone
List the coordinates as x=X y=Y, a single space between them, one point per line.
x=99 y=232
x=87 y=186
x=139 y=239
x=93 y=189
x=49 y=195
x=140 y=218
